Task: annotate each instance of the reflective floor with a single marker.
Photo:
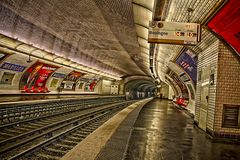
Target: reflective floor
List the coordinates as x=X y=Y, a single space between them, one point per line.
x=163 y=132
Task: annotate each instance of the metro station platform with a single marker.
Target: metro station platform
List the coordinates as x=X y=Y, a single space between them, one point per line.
x=155 y=131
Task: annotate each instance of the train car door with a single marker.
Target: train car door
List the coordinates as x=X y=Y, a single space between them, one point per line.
x=204 y=91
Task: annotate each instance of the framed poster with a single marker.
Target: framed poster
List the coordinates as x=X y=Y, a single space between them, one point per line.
x=36 y=76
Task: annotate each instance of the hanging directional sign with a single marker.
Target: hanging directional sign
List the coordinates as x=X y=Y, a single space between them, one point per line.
x=174 y=33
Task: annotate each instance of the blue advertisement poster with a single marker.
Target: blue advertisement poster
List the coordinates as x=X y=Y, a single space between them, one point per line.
x=188 y=62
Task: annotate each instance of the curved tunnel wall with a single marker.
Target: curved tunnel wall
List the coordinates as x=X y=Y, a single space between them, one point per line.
x=14 y=66
x=139 y=88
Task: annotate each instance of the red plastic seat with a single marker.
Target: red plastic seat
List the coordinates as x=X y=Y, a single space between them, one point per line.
x=40 y=90
x=25 y=89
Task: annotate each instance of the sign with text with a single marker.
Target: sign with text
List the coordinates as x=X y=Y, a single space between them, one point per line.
x=188 y=62
x=226 y=24
x=174 y=33
x=12 y=67
x=59 y=75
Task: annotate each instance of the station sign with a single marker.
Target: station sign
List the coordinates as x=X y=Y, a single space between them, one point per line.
x=174 y=33
x=12 y=67
x=59 y=75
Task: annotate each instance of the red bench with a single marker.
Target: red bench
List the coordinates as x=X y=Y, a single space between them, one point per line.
x=181 y=101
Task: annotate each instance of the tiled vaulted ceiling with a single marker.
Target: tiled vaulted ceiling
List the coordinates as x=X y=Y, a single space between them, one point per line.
x=97 y=33
x=110 y=35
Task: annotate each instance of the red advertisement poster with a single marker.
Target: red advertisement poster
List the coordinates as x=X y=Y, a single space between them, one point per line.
x=181 y=85
x=226 y=23
x=35 y=78
x=90 y=85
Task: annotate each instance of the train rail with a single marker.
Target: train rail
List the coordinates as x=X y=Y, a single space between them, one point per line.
x=10 y=113
x=36 y=139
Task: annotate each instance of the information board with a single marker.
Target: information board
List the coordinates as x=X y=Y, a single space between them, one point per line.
x=174 y=32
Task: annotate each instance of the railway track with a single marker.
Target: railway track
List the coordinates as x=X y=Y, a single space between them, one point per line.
x=44 y=133
x=18 y=128
x=10 y=113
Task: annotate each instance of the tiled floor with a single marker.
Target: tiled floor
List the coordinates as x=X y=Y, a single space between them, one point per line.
x=163 y=132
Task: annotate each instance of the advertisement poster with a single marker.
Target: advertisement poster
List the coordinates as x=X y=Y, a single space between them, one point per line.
x=36 y=76
x=69 y=82
x=226 y=24
x=90 y=85
x=82 y=82
x=181 y=85
x=188 y=62
x=54 y=83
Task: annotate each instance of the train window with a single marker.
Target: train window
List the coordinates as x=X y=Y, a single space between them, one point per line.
x=7 y=78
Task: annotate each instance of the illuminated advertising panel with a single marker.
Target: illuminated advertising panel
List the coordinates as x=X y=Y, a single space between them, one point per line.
x=69 y=82
x=90 y=85
x=174 y=32
x=36 y=76
x=181 y=85
x=226 y=23
x=82 y=82
x=188 y=62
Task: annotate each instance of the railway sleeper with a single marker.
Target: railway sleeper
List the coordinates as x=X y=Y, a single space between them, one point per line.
x=43 y=123
x=55 y=152
x=79 y=135
x=30 y=127
x=85 y=132
x=7 y=134
x=92 y=127
x=22 y=129
x=74 y=139
x=70 y=143
x=88 y=130
x=13 y=131
x=61 y=146
x=43 y=156
x=35 y=124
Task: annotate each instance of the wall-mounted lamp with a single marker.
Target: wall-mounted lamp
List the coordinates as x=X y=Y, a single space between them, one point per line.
x=29 y=59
